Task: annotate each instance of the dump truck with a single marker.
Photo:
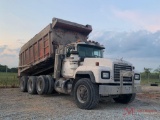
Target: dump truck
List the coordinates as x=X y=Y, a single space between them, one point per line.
x=61 y=59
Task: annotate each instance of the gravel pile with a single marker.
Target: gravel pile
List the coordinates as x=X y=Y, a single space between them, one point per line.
x=17 y=106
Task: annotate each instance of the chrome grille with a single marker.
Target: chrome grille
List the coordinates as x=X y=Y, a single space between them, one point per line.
x=117 y=69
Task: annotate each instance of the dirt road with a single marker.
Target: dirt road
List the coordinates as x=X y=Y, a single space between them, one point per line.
x=17 y=105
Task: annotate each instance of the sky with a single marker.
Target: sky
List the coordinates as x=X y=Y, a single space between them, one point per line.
x=129 y=29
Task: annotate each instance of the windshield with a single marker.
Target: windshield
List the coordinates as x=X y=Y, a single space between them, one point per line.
x=90 y=51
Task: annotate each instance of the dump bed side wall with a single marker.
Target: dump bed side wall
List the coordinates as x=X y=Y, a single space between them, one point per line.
x=35 y=51
x=37 y=55
x=37 y=48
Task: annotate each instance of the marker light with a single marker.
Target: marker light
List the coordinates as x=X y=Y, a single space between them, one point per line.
x=97 y=63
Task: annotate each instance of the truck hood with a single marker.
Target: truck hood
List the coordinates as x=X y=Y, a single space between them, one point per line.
x=105 y=62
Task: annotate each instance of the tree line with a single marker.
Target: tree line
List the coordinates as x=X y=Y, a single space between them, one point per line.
x=4 y=68
x=150 y=73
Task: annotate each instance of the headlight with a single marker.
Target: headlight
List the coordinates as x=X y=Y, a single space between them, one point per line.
x=105 y=75
x=137 y=76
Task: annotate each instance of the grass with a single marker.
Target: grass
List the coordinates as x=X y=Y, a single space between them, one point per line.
x=11 y=80
x=8 y=80
x=151 y=81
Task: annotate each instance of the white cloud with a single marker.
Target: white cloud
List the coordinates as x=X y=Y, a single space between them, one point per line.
x=145 y=21
x=141 y=63
x=141 y=47
x=9 y=56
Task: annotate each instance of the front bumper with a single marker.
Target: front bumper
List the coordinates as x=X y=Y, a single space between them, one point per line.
x=106 y=90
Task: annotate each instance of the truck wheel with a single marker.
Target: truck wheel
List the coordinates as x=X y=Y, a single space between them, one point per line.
x=32 y=85
x=126 y=98
x=51 y=84
x=42 y=85
x=23 y=83
x=86 y=94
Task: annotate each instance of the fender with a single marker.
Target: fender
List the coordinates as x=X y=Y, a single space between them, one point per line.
x=90 y=73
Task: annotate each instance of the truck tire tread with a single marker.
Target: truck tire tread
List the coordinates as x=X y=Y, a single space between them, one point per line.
x=23 y=83
x=51 y=84
x=93 y=94
x=32 y=83
x=45 y=85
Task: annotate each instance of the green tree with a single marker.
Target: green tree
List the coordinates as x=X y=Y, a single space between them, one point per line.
x=157 y=70
x=147 y=71
x=2 y=68
x=14 y=70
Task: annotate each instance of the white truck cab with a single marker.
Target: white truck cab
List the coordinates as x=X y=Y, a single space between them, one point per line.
x=84 y=70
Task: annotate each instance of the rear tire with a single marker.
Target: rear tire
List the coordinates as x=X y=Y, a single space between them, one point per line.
x=32 y=85
x=86 y=94
x=42 y=85
x=125 y=98
x=23 y=83
x=51 y=84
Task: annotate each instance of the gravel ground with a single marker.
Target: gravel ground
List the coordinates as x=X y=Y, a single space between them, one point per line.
x=15 y=105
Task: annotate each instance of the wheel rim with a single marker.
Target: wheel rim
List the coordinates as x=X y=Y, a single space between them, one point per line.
x=82 y=93
x=39 y=85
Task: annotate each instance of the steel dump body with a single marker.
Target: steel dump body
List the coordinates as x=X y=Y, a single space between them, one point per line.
x=37 y=55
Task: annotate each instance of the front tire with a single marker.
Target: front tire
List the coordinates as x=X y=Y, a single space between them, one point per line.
x=86 y=94
x=125 y=98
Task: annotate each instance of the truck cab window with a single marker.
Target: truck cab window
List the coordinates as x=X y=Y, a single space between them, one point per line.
x=90 y=51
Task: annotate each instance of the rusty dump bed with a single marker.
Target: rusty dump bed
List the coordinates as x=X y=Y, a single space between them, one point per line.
x=37 y=55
